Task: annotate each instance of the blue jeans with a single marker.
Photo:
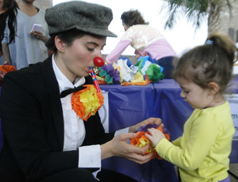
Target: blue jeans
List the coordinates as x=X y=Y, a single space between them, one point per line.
x=226 y=180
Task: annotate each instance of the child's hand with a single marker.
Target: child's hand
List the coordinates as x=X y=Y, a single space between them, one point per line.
x=155 y=136
x=157 y=121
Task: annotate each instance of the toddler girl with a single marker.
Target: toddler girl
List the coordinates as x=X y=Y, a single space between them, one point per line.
x=202 y=152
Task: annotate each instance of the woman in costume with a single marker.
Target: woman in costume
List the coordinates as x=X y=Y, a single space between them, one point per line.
x=54 y=134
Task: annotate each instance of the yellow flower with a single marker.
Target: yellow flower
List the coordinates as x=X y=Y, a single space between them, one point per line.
x=90 y=101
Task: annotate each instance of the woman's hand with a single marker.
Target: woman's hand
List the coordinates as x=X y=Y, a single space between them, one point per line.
x=118 y=146
x=157 y=121
x=39 y=36
x=155 y=136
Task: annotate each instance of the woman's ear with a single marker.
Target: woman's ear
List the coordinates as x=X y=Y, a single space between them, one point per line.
x=59 y=44
x=213 y=88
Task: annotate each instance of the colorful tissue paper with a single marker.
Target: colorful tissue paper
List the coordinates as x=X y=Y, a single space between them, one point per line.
x=5 y=69
x=141 y=140
x=125 y=73
x=87 y=102
x=150 y=67
x=109 y=74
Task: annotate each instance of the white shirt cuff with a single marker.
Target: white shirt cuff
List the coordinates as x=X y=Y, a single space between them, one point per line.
x=124 y=130
x=90 y=156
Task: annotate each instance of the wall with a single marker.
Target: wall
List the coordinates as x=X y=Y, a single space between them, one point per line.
x=229 y=24
x=43 y=4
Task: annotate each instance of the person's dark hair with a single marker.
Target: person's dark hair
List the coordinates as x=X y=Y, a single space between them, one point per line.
x=133 y=17
x=67 y=37
x=11 y=14
x=211 y=62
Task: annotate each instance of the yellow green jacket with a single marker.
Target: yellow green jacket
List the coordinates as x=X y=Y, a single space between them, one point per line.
x=203 y=150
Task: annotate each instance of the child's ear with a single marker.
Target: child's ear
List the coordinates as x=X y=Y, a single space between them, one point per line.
x=214 y=88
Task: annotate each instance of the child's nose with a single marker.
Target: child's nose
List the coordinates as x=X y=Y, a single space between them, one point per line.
x=182 y=94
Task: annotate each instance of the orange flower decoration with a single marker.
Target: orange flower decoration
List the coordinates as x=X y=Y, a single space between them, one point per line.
x=7 y=68
x=87 y=102
x=141 y=140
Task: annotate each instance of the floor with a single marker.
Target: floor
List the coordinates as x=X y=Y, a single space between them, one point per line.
x=234 y=170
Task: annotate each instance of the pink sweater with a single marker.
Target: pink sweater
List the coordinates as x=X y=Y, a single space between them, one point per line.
x=145 y=40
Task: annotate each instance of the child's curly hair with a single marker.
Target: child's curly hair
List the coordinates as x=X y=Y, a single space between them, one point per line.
x=211 y=62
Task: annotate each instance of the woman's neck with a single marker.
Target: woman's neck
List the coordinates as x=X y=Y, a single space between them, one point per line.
x=27 y=8
x=60 y=64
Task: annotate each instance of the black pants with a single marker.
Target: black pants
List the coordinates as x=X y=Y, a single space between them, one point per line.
x=167 y=64
x=82 y=175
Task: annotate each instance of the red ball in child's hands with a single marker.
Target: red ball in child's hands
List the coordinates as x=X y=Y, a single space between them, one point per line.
x=98 y=61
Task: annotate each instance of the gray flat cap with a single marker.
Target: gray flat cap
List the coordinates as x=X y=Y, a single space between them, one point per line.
x=87 y=17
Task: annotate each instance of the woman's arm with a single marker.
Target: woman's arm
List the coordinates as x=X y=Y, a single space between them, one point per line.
x=117 y=51
x=6 y=53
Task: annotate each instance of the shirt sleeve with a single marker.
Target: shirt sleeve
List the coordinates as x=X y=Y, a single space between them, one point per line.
x=89 y=156
x=117 y=51
x=202 y=133
x=177 y=142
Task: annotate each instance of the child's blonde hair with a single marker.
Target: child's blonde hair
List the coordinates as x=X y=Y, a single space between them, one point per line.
x=211 y=62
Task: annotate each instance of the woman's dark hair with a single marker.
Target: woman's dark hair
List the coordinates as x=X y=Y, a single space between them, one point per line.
x=211 y=62
x=67 y=37
x=132 y=17
x=10 y=14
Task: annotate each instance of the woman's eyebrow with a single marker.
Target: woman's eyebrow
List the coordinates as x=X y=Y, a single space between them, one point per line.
x=94 y=43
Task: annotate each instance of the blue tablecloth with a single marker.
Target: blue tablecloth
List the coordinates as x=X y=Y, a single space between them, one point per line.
x=129 y=105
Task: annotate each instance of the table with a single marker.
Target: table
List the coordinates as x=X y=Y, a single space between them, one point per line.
x=129 y=105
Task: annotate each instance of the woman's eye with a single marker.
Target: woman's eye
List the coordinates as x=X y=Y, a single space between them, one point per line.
x=90 y=49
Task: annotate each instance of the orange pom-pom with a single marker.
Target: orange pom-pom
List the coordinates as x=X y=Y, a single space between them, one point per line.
x=87 y=102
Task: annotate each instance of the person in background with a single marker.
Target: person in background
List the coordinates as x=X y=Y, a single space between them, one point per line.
x=203 y=73
x=28 y=46
x=145 y=39
x=8 y=11
x=45 y=138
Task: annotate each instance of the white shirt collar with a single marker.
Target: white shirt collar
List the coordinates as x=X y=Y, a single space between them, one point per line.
x=63 y=81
